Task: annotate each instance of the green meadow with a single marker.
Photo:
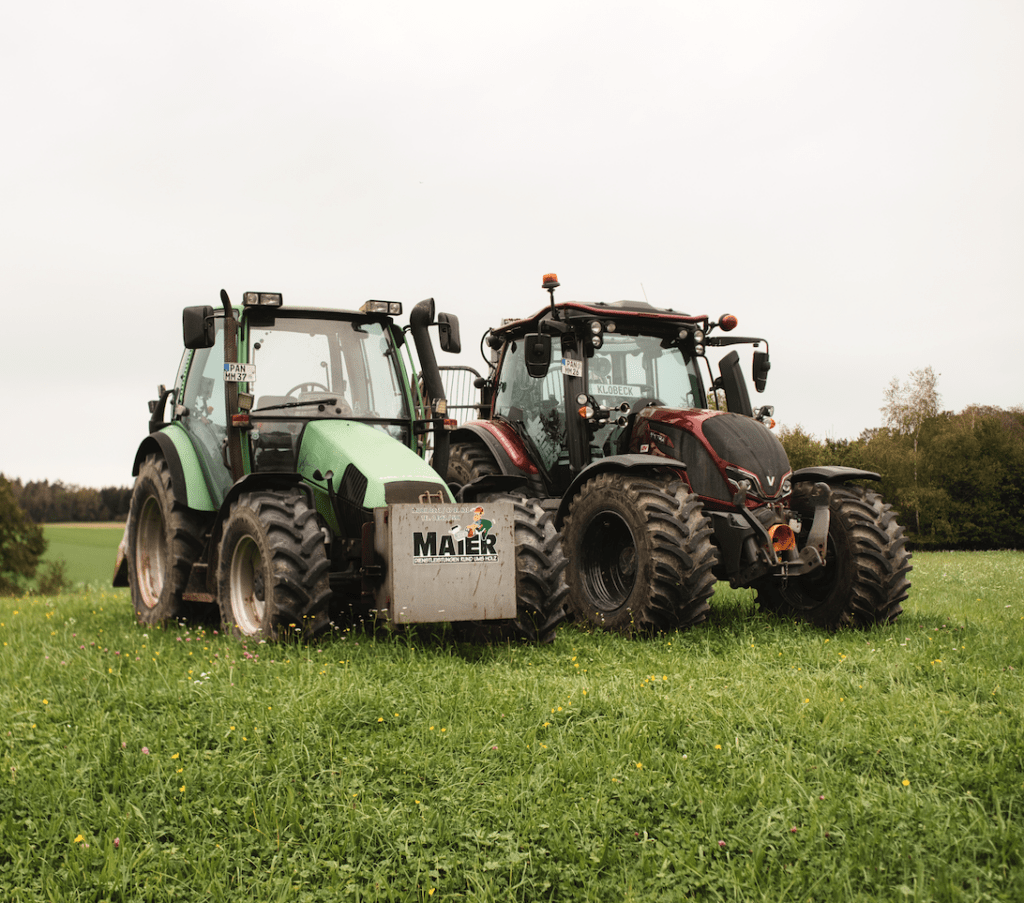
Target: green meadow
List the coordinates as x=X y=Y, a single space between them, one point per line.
x=747 y=759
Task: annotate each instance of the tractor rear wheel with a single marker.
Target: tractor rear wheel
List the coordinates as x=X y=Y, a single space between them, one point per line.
x=541 y=590
x=165 y=538
x=640 y=554
x=468 y=461
x=272 y=569
x=864 y=577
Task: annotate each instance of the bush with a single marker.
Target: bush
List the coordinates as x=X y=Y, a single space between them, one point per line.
x=21 y=543
x=54 y=579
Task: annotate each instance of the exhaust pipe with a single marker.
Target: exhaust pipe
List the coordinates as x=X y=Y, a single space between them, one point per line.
x=420 y=319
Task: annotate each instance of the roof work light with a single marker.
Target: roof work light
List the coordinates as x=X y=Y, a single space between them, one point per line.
x=393 y=308
x=262 y=299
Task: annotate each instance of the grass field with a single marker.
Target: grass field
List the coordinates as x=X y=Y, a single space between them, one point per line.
x=88 y=549
x=746 y=759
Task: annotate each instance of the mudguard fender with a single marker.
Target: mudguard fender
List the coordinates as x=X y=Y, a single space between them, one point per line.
x=502 y=442
x=616 y=462
x=832 y=474
x=187 y=480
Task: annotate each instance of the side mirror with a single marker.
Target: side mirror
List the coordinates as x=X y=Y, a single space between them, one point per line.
x=761 y=367
x=197 y=327
x=448 y=333
x=538 y=355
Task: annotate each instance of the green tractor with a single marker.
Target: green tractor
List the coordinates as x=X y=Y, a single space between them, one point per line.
x=608 y=412
x=287 y=493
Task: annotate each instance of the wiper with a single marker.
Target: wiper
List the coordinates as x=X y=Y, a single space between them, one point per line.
x=293 y=404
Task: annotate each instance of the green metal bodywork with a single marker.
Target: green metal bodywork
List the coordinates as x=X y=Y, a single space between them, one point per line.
x=328 y=445
x=333 y=445
x=197 y=494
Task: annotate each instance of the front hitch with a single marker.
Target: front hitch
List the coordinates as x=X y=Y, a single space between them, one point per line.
x=817 y=537
x=791 y=563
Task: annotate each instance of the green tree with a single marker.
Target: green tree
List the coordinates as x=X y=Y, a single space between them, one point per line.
x=977 y=458
x=908 y=406
x=802 y=449
x=21 y=543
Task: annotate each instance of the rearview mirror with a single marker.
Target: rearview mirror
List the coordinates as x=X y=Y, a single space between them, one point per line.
x=197 y=327
x=761 y=366
x=538 y=355
x=448 y=333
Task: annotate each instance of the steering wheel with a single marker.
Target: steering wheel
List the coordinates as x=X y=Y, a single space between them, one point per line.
x=302 y=388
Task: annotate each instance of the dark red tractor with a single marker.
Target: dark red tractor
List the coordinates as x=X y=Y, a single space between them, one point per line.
x=602 y=412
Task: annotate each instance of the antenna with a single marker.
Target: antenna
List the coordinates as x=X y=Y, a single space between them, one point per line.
x=644 y=291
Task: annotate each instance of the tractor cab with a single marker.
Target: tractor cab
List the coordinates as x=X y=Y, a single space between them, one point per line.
x=291 y=367
x=572 y=379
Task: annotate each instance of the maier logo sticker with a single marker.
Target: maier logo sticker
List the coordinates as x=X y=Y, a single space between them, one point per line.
x=475 y=541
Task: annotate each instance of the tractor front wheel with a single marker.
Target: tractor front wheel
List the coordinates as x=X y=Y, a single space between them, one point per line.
x=863 y=580
x=541 y=591
x=272 y=570
x=639 y=553
x=165 y=538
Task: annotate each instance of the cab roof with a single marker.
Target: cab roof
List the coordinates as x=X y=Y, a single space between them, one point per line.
x=621 y=311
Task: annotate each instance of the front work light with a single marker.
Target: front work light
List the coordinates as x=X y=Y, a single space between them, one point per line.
x=393 y=308
x=262 y=299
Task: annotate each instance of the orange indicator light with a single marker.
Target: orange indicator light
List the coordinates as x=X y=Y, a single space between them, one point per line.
x=782 y=537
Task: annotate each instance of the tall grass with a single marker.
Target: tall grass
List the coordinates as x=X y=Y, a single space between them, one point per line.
x=747 y=759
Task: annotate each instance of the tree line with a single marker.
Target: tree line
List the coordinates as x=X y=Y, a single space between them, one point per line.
x=53 y=503
x=956 y=480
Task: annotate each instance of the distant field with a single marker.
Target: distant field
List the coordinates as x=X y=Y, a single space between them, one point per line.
x=88 y=549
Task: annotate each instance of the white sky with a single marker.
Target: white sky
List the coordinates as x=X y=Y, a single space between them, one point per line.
x=846 y=178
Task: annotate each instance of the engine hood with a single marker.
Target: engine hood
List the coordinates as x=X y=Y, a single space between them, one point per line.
x=718 y=449
x=371 y=468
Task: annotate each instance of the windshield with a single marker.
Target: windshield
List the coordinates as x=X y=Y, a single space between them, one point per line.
x=626 y=368
x=632 y=369
x=629 y=368
x=351 y=367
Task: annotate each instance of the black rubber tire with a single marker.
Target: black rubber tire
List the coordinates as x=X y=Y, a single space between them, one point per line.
x=864 y=579
x=165 y=538
x=639 y=552
x=272 y=568
x=541 y=590
x=468 y=461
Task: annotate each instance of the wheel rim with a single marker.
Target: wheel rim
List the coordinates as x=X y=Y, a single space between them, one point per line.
x=248 y=589
x=609 y=566
x=151 y=552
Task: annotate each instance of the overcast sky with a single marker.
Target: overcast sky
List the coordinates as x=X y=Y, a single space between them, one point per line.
x=846 y=178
